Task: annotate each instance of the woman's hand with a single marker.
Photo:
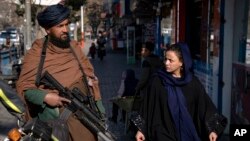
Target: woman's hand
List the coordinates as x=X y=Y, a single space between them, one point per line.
x=54 y=100
x=139 y=136
x=213 y=136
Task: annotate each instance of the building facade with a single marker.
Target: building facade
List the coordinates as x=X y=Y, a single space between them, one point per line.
x=217 y=33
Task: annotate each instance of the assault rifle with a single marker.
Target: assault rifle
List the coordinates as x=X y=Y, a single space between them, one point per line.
x=81 y=106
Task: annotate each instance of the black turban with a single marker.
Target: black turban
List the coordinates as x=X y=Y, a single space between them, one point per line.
x=52 y=15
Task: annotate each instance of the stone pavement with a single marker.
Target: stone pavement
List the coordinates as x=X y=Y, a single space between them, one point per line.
x=109 y=72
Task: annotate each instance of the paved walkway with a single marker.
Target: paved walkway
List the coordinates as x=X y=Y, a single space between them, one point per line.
x=109 y=72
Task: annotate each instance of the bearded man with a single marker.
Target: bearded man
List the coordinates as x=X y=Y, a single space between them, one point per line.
x=65 y=61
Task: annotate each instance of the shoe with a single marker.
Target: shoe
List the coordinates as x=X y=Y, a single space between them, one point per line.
x=112 y=119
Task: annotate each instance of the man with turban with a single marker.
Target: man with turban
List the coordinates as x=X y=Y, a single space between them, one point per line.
x=65 y=61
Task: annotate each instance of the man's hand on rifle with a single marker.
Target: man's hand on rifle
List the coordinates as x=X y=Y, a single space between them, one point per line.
x=53 y=99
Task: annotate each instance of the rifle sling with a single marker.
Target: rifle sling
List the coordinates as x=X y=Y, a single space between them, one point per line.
x=40 y=67
x=85 y=81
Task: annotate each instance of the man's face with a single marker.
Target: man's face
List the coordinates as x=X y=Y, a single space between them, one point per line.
x=145 y=52
x=60 y=31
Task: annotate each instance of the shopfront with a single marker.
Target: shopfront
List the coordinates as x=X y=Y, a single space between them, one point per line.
x=240 y=97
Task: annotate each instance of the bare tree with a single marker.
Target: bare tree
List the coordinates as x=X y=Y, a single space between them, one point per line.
x=93 y=12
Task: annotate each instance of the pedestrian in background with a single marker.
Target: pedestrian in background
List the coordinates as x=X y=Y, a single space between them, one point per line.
x=101 y=41
x=127 y=88
x=7 y=45
x=176 y=106
x=64 y=60
x=150 y=63
x=92 y=50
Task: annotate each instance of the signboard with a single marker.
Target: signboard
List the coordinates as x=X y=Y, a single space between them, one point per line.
x=150 y=32
x=130 y=45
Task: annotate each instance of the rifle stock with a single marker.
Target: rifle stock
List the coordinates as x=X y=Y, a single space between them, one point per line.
x=81 y=106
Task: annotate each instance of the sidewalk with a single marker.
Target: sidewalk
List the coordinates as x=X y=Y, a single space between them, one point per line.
x=109 y=72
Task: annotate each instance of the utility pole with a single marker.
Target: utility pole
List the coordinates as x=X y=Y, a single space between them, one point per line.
x=28 y=25
x=82 y=25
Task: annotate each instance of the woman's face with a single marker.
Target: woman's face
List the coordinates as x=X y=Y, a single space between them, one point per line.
x=173 y=64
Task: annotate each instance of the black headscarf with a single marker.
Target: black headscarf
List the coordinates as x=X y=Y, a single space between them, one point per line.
x=52 y=15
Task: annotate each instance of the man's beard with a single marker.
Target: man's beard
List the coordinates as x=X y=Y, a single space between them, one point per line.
x=59 y=42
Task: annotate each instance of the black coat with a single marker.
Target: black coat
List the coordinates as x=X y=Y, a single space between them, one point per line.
x=149 y=65
x=159 y=125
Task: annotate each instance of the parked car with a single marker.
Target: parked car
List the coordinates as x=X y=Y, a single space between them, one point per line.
x=15 y=39
x=3 y=37
x=12 y=34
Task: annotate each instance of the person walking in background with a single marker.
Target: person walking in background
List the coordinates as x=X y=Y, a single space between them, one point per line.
x=101 y=41
x=65 y=61
x=150 y=64
x=127 y=88
x=7 y=45
x=176 y=106
x=92 y=50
